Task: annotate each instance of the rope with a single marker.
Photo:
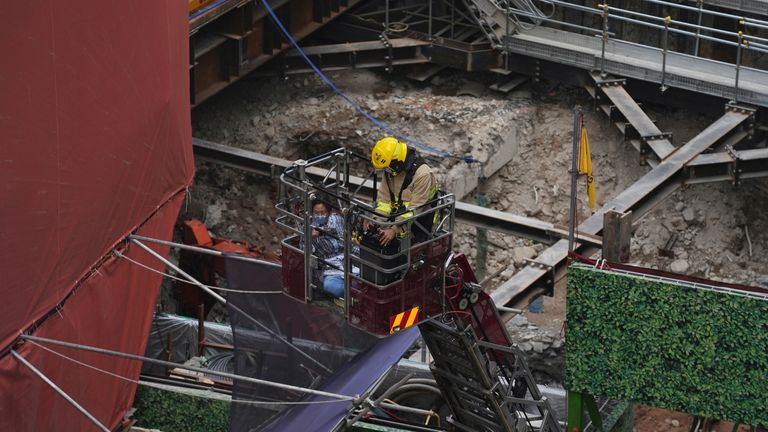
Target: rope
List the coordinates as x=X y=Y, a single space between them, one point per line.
x=146 y=267
x=205 y=396
x=381 y=124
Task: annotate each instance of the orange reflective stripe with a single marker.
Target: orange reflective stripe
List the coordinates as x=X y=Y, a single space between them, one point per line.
x=396 y=322
x=412 y=317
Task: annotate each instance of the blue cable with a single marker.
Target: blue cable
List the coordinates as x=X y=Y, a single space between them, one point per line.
x=205 y=9
x=358 y=108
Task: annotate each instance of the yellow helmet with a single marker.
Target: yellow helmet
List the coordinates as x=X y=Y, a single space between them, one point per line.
x=386 y=151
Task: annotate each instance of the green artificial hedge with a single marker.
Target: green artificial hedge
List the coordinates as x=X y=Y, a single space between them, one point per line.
x=667 y=345
x=175 y=412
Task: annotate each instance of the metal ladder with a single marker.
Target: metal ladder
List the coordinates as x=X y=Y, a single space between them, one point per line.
x=488 y=386
x=498 y=18
x=490 y=19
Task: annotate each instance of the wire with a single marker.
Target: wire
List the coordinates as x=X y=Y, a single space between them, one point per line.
x=205 y=396
x=459 y=312
x=381 y=124
x=146 y=267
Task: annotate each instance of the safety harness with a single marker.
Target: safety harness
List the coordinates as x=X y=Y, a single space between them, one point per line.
x=396 y=208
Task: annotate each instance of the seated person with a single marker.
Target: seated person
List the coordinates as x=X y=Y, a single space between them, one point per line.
x=328 y=245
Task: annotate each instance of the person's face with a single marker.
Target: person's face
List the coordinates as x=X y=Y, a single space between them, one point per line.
x=319 y=210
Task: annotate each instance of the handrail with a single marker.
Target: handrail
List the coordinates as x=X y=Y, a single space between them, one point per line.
x=306 y=180
x=738 y=39
x=602 y=8
x=758 y=22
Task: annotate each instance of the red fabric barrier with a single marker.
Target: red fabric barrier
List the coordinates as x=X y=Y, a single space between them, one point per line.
x=112 y=309
x=95 y=138
x=94 y=119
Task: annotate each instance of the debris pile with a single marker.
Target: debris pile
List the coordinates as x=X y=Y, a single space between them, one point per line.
x=710 y=230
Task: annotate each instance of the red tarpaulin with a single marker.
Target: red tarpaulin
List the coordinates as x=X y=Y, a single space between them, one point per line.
x=94 y=139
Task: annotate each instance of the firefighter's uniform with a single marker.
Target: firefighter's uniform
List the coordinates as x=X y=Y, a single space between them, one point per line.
x=407 y=185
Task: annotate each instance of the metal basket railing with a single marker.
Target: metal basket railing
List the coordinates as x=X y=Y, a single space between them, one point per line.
x=328 y=177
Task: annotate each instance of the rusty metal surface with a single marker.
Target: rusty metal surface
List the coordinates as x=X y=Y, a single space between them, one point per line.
x=270 y=166
x=230 y=38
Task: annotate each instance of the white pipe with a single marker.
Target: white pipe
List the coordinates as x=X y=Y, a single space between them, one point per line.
x=58 y=390
x=201 y=250
x=222 y=300
x=181 y=366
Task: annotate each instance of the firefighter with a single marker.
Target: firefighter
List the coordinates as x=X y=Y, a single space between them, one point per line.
x=407 y=184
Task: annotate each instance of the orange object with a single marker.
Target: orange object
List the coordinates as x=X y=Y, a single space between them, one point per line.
x=205 y=267
x=197 y=234
x=195 y=5
x=403 y=320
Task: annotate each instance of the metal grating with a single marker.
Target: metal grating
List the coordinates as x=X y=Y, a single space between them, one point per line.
x=642 y=62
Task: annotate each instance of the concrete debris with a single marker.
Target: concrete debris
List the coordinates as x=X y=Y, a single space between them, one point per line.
x=525 y=141
x=679 y=266
x=519 y=321
x=534 y=135
x=214 y=213
x=689 y=216
x=520 y=254
x=508 y=273
x=543 y=349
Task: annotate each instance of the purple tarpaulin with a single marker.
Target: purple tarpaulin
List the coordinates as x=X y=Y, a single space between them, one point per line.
x=355 y=378
x=356 y=359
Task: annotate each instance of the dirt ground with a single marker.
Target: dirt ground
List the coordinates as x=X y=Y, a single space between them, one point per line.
x=300 y=117
x=649 y=419
x=722 y=230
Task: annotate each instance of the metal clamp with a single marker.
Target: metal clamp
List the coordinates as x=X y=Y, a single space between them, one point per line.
x=734 y=168
x=388 y=46
x=659 y=136
x=549 y=283
x=645 y=148
x=610 y=82
x=740 y=108
x=614 y=114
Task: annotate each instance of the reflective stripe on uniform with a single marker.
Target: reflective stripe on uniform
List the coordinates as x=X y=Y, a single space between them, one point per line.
x=384 y=207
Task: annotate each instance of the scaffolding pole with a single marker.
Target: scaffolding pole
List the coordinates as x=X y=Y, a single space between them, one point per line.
x=201 y=250
x=221 y=299
x=572 y=211
x=58 y=390
x=181 y=366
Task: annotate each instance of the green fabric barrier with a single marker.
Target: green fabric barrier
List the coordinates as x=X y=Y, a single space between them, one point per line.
x=668 y=345
x=175 y=412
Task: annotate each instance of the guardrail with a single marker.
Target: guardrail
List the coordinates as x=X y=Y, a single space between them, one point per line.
x=741 y=40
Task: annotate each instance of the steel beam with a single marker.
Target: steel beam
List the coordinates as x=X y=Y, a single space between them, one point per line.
x=520 y=226
x=731 y=165
x=470 y=214
x=353 y=55
x=642 y=127
x=442 y=51
x=235 y=37
x=639 y=198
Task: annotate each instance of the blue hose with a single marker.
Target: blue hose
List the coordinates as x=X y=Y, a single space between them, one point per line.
x=358 y=108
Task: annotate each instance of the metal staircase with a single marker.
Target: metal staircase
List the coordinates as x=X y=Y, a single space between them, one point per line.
x=491 y=19
x=500 y=18
x=488 y=386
